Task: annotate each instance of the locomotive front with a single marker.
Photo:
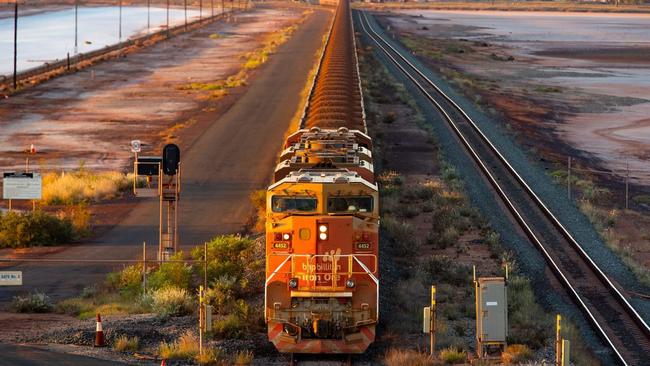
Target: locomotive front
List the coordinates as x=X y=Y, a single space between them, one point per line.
x=322 y=248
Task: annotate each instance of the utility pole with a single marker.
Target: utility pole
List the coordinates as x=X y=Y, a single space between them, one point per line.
x=432 y=333
x=120 y=21
x=148 y=15
x=200 y=9
x=212 y=8
x=185 y=14
x=16 y=45
x=167 y=18
x=76 y=26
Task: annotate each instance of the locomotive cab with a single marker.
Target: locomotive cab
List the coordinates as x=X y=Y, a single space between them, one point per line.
x=322 y=270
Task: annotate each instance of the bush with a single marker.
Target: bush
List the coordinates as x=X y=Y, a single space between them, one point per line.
x=185 y=348
x=35 y=302
x=127 y=281
x=126 y=344
x=529 y=324
x=171 y=274
x=34 y=228
x=82 y=186
x=406 y=357
x=402 y=235
x=172 y=301
x=453 y=355
x=389 y=117
x=515 y=354
x=231 y=326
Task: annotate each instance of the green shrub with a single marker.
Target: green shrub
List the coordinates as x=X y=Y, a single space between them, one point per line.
x=171 y=274
x=35 y=302
x=127 y=281
x=401 y=234
x=529 y=324
x=230 y=326
x=34 y=228
x=127 y=344
x=453 y=355
x=171 y=301
x=441 y=269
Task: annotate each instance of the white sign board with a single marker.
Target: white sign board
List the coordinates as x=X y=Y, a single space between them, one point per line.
x=11 y=278
x=136 y=146
x=22 y=187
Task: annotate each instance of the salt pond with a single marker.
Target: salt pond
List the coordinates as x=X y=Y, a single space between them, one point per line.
x=48 y=36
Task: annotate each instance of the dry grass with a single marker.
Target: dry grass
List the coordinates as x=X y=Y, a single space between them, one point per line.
x=210 y=357
x=452 y=355
x=243 y=358
x=186 y=347
x=172 y=301
x=127 y=344
x=516 y=354
x=82 y=186
x=404 y=357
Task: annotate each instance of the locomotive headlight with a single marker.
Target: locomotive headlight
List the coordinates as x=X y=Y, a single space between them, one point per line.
x=293 y=283
x=286 y=236
x=322 y=236
x=322 y=228
x=349 y=283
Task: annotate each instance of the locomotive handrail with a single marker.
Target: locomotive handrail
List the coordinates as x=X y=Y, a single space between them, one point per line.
x=310 y=258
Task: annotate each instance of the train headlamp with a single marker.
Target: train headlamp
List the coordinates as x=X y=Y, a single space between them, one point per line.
x=322 y=228
x=286 y=236
x=293 y=283
x=322 y=236
x=349 y=283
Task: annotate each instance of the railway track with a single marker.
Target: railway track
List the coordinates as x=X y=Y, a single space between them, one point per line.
x=604 y=305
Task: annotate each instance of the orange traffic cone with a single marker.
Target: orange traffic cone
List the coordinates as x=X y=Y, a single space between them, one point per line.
x=32 y=149
x=99 y=334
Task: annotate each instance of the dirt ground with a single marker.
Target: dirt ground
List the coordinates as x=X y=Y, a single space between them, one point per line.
x=564 y=84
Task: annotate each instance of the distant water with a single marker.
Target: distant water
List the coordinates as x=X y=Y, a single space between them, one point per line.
x=49 y=36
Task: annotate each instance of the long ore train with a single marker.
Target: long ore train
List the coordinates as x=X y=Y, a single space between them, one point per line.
x=322 y=223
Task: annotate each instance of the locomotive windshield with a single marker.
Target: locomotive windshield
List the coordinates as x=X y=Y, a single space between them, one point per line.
x=294 y=204
x=349 y=204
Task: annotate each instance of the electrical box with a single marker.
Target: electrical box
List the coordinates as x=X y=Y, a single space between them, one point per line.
x=426 y=325
x=208 y=318
x=491 y=314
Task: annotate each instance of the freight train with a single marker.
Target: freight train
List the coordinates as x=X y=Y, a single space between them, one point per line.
x=322 y=221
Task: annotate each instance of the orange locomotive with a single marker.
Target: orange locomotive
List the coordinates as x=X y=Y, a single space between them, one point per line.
x=322 y=224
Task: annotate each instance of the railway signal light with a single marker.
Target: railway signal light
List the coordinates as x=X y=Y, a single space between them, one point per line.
x=170 y=159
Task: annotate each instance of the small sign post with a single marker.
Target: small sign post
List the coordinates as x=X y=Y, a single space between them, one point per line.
x=432 y=330
x=11 y=278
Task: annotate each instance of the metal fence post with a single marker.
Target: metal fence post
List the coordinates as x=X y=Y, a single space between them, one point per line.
x=16 y=45
x=144 y=268
x=568 y=180
x=627 y=184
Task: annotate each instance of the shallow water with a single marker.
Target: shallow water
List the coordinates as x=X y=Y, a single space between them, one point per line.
x=49 y=36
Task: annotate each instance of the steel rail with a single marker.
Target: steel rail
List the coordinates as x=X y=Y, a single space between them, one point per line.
x=518 y=216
